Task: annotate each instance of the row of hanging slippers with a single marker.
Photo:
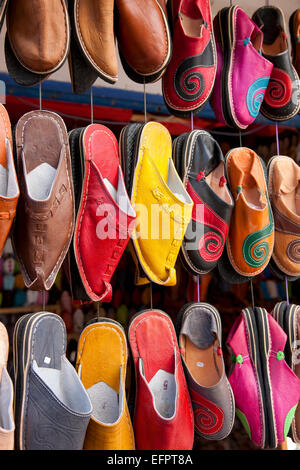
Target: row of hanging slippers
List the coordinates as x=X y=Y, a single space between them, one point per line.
x=178 y=386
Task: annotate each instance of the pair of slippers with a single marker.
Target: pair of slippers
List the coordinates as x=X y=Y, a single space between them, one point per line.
x=266 y=389
x=157 y=194
x=104 y=215
x=37 y=41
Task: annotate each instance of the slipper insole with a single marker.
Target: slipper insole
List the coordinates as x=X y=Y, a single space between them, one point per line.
x=191 y=18
x=213 y=179
x=204 y=364
x=163 y=388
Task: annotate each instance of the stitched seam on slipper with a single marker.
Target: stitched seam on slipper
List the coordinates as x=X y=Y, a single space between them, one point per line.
x=166 y=320
x=85 y=190
x=66 y=246
x=122 y=342
x=62 y=56
x=77 y=27
x=257 y=386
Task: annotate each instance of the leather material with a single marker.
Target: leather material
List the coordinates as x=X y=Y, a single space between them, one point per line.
x=282 y=98
x=266 y=390
x=157 y=245
x=205 y=236
x=152 y=430
x=143 y=38
x=102 y=351
x=213 y=404
x=94 y=29
x=242 y=73
x=294 y=25
x=73 y=275
x=250 y=241
x=39 y=34
x=82 y=74
x=190 y=75
x=43 y=228
x=103 y=226
x=6 y=389
x=8 y=205
x=283 y=186
x=47 y=417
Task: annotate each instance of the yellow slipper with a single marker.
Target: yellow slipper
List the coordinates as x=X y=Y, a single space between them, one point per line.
x=101 y=364
x=161 y=202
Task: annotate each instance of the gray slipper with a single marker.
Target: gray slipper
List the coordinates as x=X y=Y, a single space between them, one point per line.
x=52 y=408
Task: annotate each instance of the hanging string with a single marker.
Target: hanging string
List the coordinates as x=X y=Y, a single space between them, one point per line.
x=287 y=290
x=92 y=106
x=98 y=310
x=192 y=121
x=198 y=288
x=277 y=138
x=151 y=296
x=44 y=300
x=145 y=102
x=40 y=95
x=252 y=293
x=240 y=135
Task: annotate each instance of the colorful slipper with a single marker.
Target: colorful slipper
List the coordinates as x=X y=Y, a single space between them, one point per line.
x=284 y=191
x=282 y=98
x=200 y=339
x=200 y=164
x=190 y=75
x=260 y=378
x=38 y=39
x=250 y=240
x=163 y=415
x=52 y=408
x=105 y=217
x=9 y=187
x=144 y=58
x=157 y=192
x=243 y=73
x=294 y=25
x=288 y=317
x=101 y=365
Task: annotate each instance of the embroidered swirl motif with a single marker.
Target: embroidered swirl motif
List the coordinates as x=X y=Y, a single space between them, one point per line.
x=255 y=95
x=279 y=91
x=209 y=418
x=255 y=250
x=293 y=251
x=210 y=246
x=189 y=82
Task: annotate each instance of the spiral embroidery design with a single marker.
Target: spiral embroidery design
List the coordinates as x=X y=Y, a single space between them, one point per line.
x=293 y=251
x=279 y=91
x=255 y=249
x=211 y=246
x=189 y=82
x=255 y=95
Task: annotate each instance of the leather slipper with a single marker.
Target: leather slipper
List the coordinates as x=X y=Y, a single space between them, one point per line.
x=44 y=221
x=157 y=188
x=282 y=98
x=38 y=39
x=284 y=188
x=9 y=187
x=7 y=424
x=105 y=217
x=199 y=334
x=144 y=59
x=250 y=240
x=101 y=365
x=163 y=415
x=94 y=31
x=200 y=163
x=52 y=408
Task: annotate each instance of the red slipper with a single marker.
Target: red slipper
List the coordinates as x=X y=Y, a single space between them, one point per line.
x=105 y=216
x=163 y=415
x=190 y=76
